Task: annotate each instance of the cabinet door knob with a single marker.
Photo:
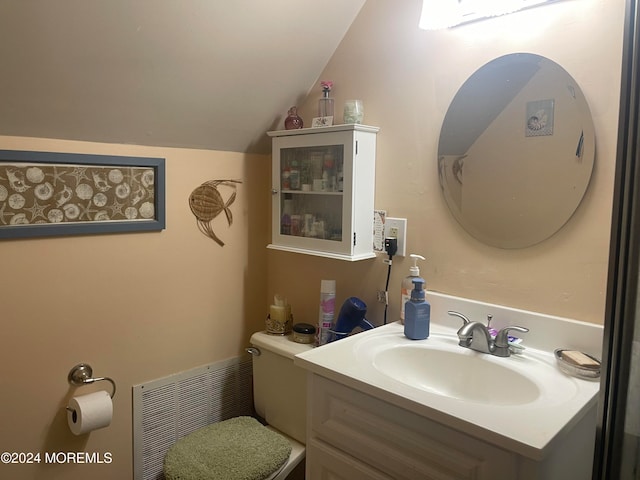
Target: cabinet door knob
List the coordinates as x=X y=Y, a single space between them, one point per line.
x=274 y=191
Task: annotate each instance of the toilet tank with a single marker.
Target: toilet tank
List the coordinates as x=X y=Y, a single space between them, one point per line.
x=280 y=387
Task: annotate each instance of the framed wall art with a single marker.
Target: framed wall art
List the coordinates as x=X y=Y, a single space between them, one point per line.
x=50 y=193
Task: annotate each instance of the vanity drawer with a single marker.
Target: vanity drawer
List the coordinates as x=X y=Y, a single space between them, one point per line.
x=397 y=442
x=327 y=463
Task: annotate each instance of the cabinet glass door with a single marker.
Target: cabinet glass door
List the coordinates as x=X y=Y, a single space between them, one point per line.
x=311 y=186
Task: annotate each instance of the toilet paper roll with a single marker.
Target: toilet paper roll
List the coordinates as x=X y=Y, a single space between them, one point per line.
x=89 y=412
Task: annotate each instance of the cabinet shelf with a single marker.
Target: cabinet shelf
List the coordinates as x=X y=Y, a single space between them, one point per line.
x=302 y=192
x=320 y=253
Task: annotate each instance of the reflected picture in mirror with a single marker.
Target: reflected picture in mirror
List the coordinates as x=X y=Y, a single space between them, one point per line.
x=516 y=151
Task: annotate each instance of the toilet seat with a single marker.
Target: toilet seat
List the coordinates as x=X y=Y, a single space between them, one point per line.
x=240 y=447
x=298 y=452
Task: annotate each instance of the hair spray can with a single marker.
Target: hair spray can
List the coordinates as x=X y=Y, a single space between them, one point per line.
x=327 y=309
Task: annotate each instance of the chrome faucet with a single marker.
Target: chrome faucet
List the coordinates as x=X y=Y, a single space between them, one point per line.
x=476 y=336
x=501 y=344
x=464 y=319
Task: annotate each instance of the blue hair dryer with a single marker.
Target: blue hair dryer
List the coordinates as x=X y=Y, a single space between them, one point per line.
x=351 y=316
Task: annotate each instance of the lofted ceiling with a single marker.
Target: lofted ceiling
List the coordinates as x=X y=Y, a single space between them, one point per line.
x=214 y=74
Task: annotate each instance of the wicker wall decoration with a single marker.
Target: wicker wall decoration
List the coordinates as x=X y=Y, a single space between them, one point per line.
x=207 y=203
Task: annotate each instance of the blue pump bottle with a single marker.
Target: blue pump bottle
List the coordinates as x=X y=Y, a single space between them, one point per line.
x=417 y=313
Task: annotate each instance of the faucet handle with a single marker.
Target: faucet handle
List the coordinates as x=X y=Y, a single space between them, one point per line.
x=464 y=319
x=502 y=339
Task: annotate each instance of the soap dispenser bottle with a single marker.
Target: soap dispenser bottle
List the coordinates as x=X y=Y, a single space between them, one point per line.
x=407 y=283
x=417 y=313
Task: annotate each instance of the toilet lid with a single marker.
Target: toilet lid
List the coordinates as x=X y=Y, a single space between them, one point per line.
x=235 y=449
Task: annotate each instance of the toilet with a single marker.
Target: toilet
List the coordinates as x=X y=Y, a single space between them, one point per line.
x=279 y=391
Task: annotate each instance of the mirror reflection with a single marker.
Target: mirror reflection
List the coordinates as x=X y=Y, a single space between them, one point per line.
x=516 y=151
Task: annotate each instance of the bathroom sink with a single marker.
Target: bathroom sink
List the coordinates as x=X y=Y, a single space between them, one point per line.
x=457 y=374
x=521 y=403
x=438 y=366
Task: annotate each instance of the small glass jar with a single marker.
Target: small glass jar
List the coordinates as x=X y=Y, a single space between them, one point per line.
x=304 y=333
x=353 y=111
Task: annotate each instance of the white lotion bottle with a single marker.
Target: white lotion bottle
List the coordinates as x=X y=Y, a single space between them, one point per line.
x=407 y=284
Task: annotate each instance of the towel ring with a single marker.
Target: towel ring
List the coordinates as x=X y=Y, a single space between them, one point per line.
x=81 y=375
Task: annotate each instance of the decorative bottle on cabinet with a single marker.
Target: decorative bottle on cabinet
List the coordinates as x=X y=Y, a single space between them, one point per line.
x=325 y=104
x=324 y=168
x=293 y=121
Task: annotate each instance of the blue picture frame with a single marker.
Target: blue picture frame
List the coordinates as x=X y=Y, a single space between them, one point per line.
x=53 y=194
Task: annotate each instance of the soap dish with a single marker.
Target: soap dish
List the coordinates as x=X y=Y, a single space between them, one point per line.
x=589 y=369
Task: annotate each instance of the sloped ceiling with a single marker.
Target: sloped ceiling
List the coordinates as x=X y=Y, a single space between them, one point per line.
x=214 y=74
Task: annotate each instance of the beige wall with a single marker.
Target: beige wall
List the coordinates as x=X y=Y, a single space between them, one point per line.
x=407 y=78
x=142 y=306
x=135 y=306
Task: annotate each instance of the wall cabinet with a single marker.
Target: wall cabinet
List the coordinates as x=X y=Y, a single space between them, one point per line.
x=323 y=183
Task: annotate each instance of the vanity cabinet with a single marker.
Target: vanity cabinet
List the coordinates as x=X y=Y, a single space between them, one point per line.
x=323 y=182
x=352 y=435
x=374 y=439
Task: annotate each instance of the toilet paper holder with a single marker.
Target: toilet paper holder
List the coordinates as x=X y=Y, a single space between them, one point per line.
x=82 y=373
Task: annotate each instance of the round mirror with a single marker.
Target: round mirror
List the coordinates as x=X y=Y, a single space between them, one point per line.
x=516 y=151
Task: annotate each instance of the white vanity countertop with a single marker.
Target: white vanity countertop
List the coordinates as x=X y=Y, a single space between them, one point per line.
x=528 y=429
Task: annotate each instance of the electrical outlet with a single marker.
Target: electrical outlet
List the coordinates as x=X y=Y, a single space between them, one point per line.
x=397 y=228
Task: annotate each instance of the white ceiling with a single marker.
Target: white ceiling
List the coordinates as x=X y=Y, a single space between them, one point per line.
x=213 y=74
